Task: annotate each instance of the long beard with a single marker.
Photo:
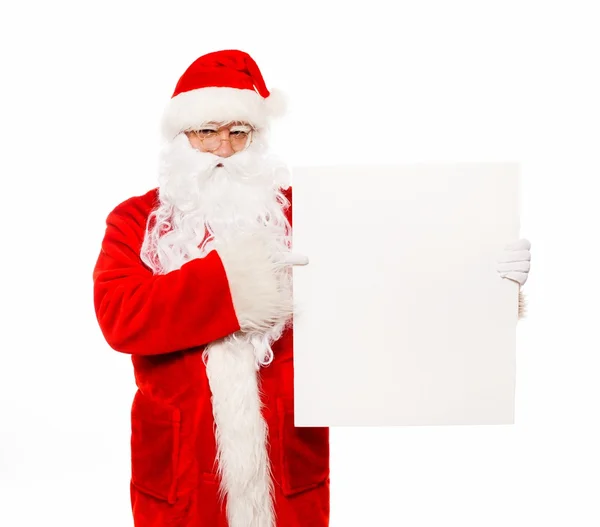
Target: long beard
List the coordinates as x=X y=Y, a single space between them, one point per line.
x=201 y=204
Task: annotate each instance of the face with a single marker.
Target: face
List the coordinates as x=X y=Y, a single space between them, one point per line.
x=211 y=197
x=223 y=140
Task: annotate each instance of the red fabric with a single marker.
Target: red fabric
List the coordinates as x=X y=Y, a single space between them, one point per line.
x=228 y=68
x=146 y=314
x=164 y=322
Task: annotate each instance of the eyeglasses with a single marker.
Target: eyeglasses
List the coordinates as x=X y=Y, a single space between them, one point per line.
x=240 y=137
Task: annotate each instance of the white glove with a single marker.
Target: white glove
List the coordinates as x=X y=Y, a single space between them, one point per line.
x=291 y=259
x=515 y=261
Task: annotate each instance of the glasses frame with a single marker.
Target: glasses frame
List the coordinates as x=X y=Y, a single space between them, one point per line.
x=249 y=139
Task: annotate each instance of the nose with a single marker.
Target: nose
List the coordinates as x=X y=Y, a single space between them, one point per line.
x=224 y=149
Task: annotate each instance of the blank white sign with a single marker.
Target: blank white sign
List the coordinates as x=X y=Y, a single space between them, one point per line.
x=401 y=317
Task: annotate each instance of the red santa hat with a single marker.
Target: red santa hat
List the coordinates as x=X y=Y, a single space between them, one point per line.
x=221 y=86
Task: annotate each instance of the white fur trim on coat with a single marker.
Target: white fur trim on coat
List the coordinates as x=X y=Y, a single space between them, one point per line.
x=195 y=107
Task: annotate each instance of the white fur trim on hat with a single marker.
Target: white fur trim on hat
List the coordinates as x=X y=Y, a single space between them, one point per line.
x=195 y=107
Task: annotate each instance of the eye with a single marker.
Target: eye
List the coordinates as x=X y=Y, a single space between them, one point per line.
x=238 y=133
x=205 y=132
x=240 y=129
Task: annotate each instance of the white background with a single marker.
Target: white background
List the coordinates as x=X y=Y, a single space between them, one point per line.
x=83 y=85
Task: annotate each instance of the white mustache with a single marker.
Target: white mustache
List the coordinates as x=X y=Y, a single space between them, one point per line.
x=203 y=195
x=241 y=164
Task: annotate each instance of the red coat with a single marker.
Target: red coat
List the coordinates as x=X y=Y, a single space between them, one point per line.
x=164 y=322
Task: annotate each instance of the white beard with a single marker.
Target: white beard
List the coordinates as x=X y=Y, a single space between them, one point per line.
x=202 y=205
x=200 y=201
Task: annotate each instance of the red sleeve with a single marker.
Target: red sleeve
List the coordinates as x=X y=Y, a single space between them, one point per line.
x=146 y=314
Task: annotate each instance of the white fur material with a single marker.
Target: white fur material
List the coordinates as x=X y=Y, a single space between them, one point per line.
x=241 y=434
x=195 y=107
x=261 y=288
x=276 y=103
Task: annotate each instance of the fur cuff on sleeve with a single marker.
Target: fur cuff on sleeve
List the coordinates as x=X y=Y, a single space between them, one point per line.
x=260 y=289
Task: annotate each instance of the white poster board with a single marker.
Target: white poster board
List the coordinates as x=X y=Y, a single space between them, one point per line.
x=401 y=317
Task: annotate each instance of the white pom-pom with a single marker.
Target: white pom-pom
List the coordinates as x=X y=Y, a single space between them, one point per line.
x=276 y=103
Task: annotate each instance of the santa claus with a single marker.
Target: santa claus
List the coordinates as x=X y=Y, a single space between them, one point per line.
x=194 y=281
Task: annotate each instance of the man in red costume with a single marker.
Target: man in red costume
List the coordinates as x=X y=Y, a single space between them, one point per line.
x=194 y=281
